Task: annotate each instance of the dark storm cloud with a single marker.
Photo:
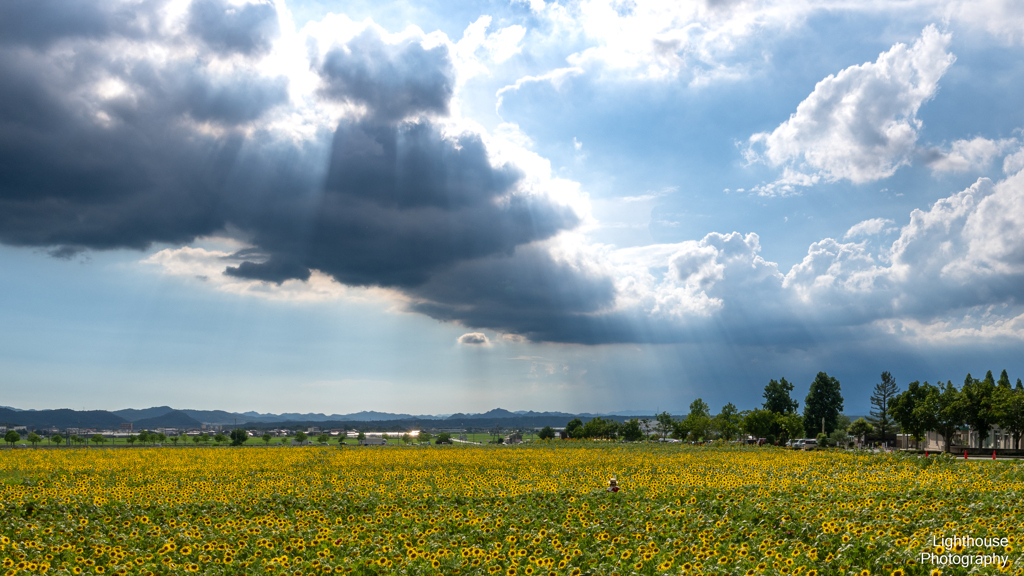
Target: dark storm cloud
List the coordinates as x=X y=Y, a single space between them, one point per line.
x=393 y=80
x=80 y=171
x=103 y=149
x=402 y=202
x=235 y=99
x=39 y=22
x=527 y=293
x=248 y=29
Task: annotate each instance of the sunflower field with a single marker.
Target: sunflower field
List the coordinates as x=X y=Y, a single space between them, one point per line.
x=541 y=508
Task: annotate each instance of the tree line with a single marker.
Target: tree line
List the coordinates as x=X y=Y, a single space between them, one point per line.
x=979 y=405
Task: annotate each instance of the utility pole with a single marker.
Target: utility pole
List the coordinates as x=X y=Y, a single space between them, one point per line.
x=822 y=424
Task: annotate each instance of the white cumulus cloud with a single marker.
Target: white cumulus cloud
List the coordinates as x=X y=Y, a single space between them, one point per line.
x=861 y=124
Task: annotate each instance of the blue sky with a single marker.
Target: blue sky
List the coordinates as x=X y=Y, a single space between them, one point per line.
x=436 y=207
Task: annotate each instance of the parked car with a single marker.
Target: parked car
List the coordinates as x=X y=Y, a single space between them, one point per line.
x=809 y=444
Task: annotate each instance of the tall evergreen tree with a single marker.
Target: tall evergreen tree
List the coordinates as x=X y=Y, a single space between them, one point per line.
x=1004 y=380
x=777 y=398
x=825 y=400
x=880 y=416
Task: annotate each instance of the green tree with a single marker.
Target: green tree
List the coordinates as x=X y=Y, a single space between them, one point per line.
x=680 y=429
x=949 y=412
x=98 y=439
x=700 y=408
x=665 y=423
x=220 y=438
x=144 y=437
x=777 y=397
x=1010 y=409
x=912 y=410
x=727 y=422
x=406 y=438
x=860 y=429
x=546 y=433
x=34 y=439
x=131 y=439
x=790 y=426
x=161 y=437
x=12 y=437
x=1004 y=381
x=56 y=439
x=239 y=436
x=196 y=440
x=267 y=438
x=204 y=438
x=424 y=436
x=760 y=423
x=443 y=438
x=175 y=439
x=600 y=428
x=979 y=405
x=300 y=436
x=574 y=429
x=323 y=437
x=631 y=430
x=824 y=401
x=75 y=439
x=362 y=436
x=342 y=436
x=880 y=416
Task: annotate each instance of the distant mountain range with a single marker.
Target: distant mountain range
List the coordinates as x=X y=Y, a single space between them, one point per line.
x=167 y=417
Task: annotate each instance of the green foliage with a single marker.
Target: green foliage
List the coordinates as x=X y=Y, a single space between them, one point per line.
x=1009 y=404
x=790 y=426
x=777 y=397
x=760 y=423
x=600 y=428
x=574 y=428
x=323 y=437
x=300 y=436
x=949 y=411
x=144 y=437
x=631 y=431
x=978 y=397
x=131 y=439
x=914 y=409
x=823 y=440
x=825 y=400
x=665 y=423
x=220 y=438
x=546 y=433
x=700 y=408
x=362 y=436
x=443 y=438
x=267 y=438
x=727 y=423
x=56 y=439
x=11 y=437
x=881 y=398
x=34 y=438
x=98 y=439
x=860 y=428
x=239 y=437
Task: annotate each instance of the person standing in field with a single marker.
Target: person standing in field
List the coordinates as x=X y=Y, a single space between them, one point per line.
x=613 y=485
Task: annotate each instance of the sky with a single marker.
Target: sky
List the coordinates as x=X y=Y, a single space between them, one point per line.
x=437 y=207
